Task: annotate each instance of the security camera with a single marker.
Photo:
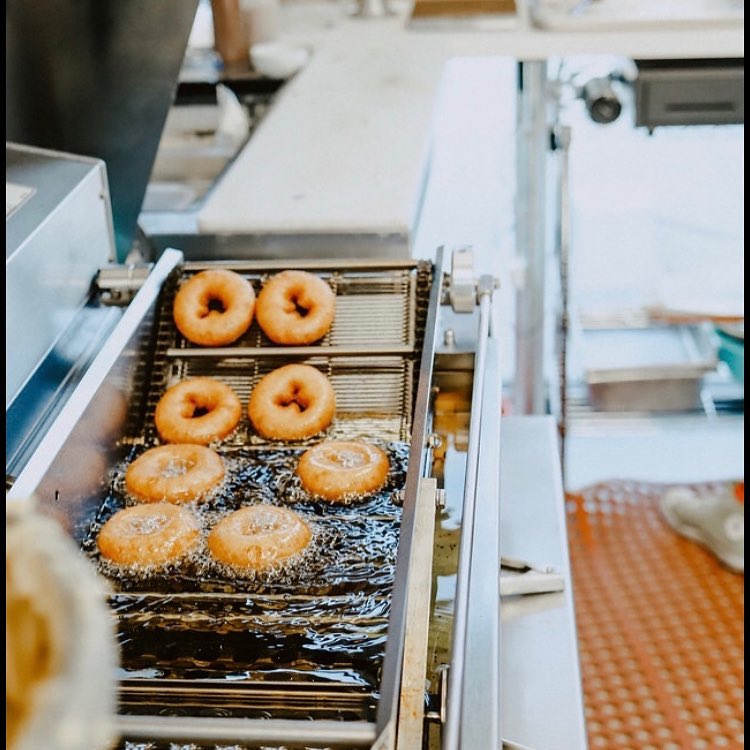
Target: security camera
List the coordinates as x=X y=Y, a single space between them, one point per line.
x=602 y=102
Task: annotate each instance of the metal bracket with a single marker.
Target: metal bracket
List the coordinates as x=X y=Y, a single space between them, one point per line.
x=522 y=578
x=438 y=701
x=118 y=284
x=464 y=289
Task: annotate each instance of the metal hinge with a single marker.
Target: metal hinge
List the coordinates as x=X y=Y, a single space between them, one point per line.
x=118 y=284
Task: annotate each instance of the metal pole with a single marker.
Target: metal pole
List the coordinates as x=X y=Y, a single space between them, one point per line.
x=533 y=143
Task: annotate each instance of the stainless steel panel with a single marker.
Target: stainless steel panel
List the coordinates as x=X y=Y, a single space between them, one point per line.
x=233 y=731
x=412 y=699
x=473 y=680
x=55 y=243
x=112 y=372
x=342 y=245
x=481 y=722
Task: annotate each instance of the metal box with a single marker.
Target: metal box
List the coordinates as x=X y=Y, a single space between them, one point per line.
x=653 y=369
x=680 y=92
x=58 y=233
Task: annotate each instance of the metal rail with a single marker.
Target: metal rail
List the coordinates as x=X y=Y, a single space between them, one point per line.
x=333 y=264
x=482 y=453
x=387 y=715
x=250 y=352
x=276 y=731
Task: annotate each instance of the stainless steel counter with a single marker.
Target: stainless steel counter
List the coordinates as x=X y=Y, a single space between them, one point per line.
x=541 y=698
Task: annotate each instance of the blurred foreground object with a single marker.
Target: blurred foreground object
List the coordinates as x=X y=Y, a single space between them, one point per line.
x=60 y=650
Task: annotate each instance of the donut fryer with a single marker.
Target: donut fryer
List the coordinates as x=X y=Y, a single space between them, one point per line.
x=247 y=662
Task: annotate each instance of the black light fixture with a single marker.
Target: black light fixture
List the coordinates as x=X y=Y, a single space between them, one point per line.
x=602 y=102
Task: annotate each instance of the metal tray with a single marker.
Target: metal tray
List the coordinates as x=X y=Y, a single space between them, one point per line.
x=655 y=368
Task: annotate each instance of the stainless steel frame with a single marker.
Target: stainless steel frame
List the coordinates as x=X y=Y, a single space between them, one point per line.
x=119 y=358
x=473 y=695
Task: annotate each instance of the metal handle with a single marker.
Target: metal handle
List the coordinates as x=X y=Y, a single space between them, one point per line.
x=477 y=542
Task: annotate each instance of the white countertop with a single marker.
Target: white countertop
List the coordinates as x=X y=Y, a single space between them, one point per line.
x=345 y=146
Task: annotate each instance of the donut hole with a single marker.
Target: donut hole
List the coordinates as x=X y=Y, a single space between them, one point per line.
x=298 y=306
x=346 y=459
x=199 y=407
x=295 y=400
x=213 y=305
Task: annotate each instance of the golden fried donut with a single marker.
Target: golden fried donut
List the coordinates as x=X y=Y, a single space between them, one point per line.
x=342 y=469
x=174 y=474
x=258 y=537
x=214 y=307
x=149 y=536
x=197 y=410
x=295 y=307
x=292 y=403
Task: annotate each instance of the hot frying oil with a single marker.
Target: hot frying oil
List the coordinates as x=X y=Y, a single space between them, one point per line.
x=322 y=616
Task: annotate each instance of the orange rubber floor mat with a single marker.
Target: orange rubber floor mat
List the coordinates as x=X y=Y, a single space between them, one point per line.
x=660 y=626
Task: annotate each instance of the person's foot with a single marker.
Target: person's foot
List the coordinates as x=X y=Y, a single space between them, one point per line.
x=716 y=521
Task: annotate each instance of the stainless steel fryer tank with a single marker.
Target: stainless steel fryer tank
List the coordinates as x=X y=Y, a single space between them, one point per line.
x=380 y=343
x=335 y=655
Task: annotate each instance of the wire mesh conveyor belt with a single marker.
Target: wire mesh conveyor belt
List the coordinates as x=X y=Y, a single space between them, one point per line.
x=308 y=641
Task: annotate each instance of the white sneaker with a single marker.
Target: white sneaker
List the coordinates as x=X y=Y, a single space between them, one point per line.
x=716 y=521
